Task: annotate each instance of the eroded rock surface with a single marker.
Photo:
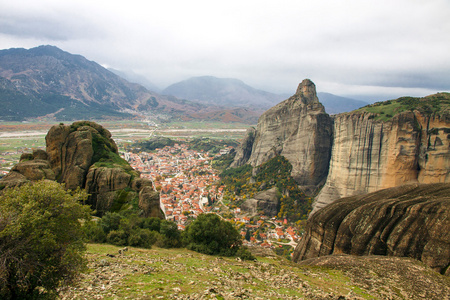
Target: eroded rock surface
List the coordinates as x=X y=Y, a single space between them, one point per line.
x=369 y=154
x=72 y=147
x=300 y=130
x=266 y=201
x=407 y=221
x=149 y=202
x=31 y=166
x=244 y=151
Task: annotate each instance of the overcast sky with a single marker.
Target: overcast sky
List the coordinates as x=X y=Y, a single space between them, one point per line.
x=357 y=48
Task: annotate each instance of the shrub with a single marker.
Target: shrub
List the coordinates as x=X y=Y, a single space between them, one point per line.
x=94 y=232
x=209 y=234
x=170 y=235
x=110 y=221
x=143 y=238
x=153 y=223
x=117 y=237
x=245 y=254
x=41 y=239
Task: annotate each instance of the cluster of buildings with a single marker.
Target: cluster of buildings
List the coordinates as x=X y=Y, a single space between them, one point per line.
x=188 y=185
x=184 y=178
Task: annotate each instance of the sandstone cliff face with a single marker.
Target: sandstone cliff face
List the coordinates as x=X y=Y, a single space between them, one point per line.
x=369 y=155
x=410 y=221
x=358 y=152
x=300 y=130
x=244 y=151
x=105 y=186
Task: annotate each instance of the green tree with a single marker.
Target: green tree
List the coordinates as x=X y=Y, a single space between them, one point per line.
x=110 y=221
x=152 y=223
x=211 y=235
x=41 y=240
x=248 y=235
x=170 y=235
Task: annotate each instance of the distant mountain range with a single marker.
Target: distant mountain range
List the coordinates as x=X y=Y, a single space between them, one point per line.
x=48 y=82
x=228 y=92
x=336 y=104
x=235 y=93
x=136 y=78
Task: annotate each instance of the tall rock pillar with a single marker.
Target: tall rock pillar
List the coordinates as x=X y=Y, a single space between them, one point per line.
x=300 y=130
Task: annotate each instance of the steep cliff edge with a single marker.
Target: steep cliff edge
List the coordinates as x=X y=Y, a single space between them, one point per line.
x=298 y=129
x=406 y=221
x=83 y=155
x=373 y=150
x=244 y=151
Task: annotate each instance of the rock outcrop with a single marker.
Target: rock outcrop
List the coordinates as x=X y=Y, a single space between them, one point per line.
x=71 y=151
x=31 y=166
x=266 y=201
x=300 y=130
x=407 y=221
x=244 y=151
x=84 y=155
x=370 y=154
x=148 y=201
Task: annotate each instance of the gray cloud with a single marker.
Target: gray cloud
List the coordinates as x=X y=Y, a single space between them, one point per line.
x=361 y=48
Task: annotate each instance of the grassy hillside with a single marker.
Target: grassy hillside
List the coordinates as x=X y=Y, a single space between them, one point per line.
x=183 y=274
x=439 y=102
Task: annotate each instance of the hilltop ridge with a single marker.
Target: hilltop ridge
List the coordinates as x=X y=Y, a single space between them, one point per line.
x=46 y=81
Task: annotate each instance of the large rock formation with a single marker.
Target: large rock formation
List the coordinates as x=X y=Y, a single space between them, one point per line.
x=84 y=155
x=71 y=150
x=383 y=145
x=266 y=201
x=370 y=154
x=298 y=129
x=407 y=221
